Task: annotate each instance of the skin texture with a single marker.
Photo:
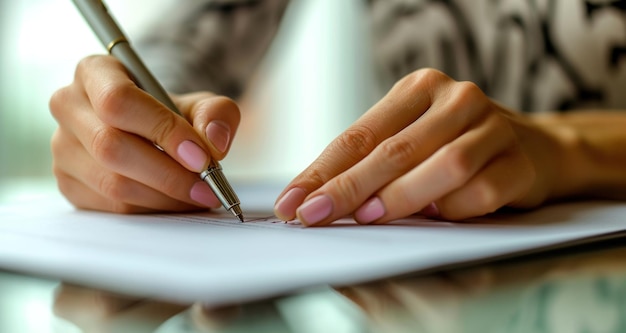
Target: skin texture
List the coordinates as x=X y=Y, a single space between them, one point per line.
x=431 y=139
x=444 y=149
x=432 y=145
x=107 y=127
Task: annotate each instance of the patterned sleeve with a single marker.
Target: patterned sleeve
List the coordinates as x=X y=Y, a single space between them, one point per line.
x=530 y=55
x=211 y=45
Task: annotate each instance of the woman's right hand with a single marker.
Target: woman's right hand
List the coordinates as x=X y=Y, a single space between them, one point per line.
x=104 y=154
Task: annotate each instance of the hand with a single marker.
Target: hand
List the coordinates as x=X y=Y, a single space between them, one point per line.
x=93 y=310
x=104 y=153
x=99 y=311
x=431 y=145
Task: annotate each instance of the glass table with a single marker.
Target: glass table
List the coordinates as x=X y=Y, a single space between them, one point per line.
x=580 y=289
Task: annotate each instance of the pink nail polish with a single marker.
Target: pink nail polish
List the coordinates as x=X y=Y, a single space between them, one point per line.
x=192 y=155
x=371 y=210
x=431 y=210
x=218 y=133
x=315 y=210
x=202 y=194
x=285 y=208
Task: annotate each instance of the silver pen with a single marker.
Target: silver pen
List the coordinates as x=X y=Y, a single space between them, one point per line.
x=104 y=26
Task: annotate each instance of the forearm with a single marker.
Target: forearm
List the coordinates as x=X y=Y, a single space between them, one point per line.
x=212 y=45
x=592 y=162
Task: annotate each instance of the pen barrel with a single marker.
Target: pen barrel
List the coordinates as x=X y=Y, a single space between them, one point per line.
x=141 y=75
x=101 y=22
x=114 y=40
x=214 y=176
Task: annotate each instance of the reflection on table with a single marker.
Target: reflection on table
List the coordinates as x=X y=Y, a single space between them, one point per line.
x=576 y=290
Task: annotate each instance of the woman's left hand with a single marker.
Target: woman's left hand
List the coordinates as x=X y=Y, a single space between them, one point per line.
x=431 y=145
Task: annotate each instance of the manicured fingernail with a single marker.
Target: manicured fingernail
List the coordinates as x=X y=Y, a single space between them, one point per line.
x=285 y=208
x=193 y=155
x=218 y=133
x=202 y=194
x=371 y=210
x=315 y=210
x=431 y=210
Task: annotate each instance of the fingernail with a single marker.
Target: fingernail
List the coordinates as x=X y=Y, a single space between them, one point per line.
x=192 y=155
x=371 y=210
x=431 y=210
x=285 y=208
x=315 y=210
x=202 y=194
x=218 y=134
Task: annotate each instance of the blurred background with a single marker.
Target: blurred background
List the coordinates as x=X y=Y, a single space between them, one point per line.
x=319 y=55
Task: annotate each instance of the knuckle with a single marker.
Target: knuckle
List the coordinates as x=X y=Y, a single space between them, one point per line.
x=57 y=102
x=163 y=128
x=431 y=75
x=425 y=74
x=113 y=186
x=108 y=102
x=458 y=164
x=170 y=182
x=468 y=90
x=465 y=94
x=106 y=146
x=397 y=153
x=348 y=187
x=313 y=177
x=486 y=196
x=356 y=142
x=428 y=76
x=422 y=82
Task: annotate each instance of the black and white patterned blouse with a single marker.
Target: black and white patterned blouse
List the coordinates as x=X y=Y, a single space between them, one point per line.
x=531 y=55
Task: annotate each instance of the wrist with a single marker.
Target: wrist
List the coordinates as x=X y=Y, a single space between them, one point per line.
x=592 y=158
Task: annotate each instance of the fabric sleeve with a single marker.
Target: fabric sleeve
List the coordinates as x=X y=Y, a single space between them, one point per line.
x=212 y=45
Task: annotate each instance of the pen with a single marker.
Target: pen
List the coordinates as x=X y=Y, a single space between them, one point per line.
x=104 y=26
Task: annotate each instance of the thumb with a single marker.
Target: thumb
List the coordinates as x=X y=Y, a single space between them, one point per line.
x=215 y=118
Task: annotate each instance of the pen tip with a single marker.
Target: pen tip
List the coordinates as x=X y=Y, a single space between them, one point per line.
x=240 y=217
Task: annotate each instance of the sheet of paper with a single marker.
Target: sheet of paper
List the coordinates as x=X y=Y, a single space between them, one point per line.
x=213 y=258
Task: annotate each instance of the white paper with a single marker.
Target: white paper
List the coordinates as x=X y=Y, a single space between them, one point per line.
x=217 y=260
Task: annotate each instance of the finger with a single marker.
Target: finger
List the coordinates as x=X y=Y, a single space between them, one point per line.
x=144 y=317
x=209 y=319
x=84 y=306
x=505 y=180
x=120 y=103
x=446 y=120
x=133 y=197
x=99 y=311
x=130 y=171
x=83 y=197
x=404 y=104
x=446 y=170
x=456 y=108
x=215 y=118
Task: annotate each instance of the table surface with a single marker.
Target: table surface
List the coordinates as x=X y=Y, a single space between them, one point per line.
x=581 y=289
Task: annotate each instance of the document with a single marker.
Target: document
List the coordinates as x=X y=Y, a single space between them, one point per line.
x=213 y=258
